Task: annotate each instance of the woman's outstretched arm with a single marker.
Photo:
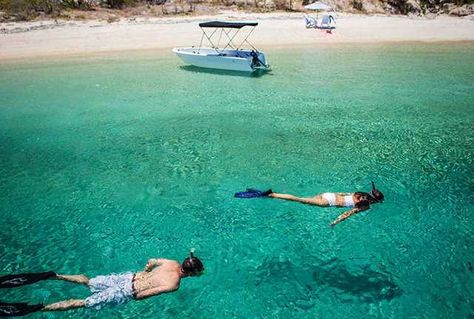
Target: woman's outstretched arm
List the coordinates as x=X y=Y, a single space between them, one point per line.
x=348 y=214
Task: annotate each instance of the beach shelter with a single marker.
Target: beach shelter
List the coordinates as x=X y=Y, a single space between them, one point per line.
x=318 y=6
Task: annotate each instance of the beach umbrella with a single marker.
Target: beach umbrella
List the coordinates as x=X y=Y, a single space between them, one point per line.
x=318 y=6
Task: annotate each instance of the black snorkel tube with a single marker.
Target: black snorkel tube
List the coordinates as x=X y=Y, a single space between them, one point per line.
x=191 y=256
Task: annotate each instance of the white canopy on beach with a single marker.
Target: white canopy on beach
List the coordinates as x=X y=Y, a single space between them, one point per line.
x=318 y=6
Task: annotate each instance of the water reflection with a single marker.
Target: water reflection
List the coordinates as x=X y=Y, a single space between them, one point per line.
x=363 y=283
x=255 y=74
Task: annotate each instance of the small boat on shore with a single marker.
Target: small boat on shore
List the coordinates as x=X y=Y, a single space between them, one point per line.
x=229 y=57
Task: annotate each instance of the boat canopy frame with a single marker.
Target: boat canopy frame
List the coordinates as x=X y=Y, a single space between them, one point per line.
x=230 y=29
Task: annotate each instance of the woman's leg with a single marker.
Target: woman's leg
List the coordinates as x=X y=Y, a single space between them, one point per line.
x=78 y=279
x=65 y=305
x=317 y=200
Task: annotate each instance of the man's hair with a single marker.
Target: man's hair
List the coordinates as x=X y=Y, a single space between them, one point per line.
x=192 y=266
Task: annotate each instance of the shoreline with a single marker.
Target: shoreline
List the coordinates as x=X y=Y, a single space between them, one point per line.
x=47 y=39
x=160 y=52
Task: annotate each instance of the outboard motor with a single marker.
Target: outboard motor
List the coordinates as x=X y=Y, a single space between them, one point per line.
x=255 y=60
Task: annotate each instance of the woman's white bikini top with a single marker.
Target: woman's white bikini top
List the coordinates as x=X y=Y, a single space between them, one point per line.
x=349 y=201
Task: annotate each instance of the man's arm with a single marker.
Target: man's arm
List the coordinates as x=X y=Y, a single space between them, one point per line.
x=348 y=214
x=154 y=292
x=152 y=263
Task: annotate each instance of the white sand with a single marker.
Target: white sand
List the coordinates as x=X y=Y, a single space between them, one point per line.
x=47 y=39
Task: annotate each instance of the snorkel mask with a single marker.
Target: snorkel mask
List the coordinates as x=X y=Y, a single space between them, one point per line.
x=195 y=263
x=376 y=194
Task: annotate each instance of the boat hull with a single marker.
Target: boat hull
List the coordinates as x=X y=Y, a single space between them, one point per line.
x=234 y=60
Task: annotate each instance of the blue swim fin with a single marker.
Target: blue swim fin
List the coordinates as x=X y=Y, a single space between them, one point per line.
x=253 y=193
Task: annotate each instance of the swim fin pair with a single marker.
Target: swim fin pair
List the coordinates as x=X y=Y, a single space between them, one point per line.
x=253 y=193
x=17 y=280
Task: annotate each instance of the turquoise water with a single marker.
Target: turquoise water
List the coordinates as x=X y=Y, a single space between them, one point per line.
x=107 y=161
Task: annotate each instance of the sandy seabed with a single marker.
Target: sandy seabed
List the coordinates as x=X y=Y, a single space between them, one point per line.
x=29 y=40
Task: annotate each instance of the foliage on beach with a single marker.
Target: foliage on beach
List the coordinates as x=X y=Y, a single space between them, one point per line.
x=11 y=10
x=54 y=6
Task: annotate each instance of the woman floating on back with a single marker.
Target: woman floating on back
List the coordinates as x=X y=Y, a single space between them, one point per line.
x=359 y=201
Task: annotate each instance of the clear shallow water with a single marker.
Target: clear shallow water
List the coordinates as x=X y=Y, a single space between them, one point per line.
x=105 y=162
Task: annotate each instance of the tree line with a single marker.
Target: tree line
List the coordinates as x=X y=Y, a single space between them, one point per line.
x=27 y=9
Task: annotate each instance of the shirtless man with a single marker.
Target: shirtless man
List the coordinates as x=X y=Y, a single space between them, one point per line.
x=159 y=276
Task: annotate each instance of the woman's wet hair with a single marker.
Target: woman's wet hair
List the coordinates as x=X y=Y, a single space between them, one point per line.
x=376 y=194
x=192 y=265
x=365 y=199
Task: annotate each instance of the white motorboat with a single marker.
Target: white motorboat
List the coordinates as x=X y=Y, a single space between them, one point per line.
x=231 y=56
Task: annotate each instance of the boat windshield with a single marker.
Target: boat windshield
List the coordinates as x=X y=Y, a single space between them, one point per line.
x=214 y=31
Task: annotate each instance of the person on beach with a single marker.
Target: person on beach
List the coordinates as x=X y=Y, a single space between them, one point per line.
x=360 y=201
x=159 y=276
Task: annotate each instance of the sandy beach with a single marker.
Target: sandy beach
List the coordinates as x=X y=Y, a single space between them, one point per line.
x=64 y=38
